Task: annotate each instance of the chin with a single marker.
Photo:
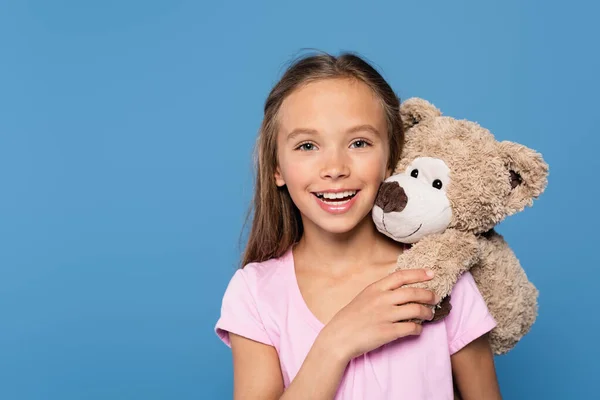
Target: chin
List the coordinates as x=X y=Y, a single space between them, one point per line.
x=334 y=228
x=338 y=224
x=340 y=230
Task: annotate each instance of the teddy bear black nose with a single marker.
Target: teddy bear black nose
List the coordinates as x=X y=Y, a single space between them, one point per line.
x=391 y=197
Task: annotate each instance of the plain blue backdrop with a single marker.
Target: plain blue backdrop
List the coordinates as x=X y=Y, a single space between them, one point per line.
x=126 y=132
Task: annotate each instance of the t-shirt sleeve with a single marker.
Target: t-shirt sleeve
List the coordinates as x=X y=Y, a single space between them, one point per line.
x=469 y=317
x=239 y=312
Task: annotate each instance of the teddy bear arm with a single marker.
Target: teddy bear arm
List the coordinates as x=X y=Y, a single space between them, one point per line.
x=448 y=254
x=510 y=297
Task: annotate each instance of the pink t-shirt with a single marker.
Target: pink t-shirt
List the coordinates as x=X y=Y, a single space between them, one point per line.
x=263 y=303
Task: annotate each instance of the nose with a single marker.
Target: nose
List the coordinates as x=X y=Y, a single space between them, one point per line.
x=335 y=167
x=391 y=197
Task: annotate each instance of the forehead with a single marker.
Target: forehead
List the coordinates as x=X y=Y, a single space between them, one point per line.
x=331 y=104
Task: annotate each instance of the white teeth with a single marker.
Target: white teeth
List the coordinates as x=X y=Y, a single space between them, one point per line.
x=339 y=195
x=337 y=203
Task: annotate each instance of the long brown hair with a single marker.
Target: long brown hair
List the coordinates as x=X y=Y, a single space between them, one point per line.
x=276 y=223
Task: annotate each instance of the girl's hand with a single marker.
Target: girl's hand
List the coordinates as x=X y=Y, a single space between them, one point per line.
x=375 y=316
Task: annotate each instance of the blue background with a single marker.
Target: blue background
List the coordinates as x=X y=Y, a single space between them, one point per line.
x=126 y=131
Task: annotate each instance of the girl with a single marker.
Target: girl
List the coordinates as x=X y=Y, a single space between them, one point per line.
x=314 y=312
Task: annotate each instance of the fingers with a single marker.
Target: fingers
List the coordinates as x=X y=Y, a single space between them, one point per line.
x=404 y=277
x=410 y=311
x=409 y=295
x=402 y=329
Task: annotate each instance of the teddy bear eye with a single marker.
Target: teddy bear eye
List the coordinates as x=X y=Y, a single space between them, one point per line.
x=437 y=184
x=414 y=173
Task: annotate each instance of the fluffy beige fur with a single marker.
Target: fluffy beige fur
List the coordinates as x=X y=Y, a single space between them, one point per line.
x=490 y=180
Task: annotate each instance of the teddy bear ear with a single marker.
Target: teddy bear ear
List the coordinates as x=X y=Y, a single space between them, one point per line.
x=527 y=172
x=415 y=110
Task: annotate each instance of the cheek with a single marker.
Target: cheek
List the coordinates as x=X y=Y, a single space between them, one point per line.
x=374 y=167
x=295 y=173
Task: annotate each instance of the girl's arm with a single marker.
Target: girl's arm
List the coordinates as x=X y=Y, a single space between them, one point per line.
x=256 y=371
x=257 y=374
x=474 y=371
x=319 y=376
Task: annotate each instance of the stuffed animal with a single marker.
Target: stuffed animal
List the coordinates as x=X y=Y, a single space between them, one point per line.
x=453 y=184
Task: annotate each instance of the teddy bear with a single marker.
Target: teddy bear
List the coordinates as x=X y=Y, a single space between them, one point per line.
x=453 y=184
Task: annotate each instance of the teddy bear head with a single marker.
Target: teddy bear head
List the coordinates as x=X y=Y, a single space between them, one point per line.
x=454 y=174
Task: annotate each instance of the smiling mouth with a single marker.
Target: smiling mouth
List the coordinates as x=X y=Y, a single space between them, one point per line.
x=399 y=237
x=338 y=198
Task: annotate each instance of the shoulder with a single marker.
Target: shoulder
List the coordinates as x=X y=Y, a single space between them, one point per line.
x=254 y=299
x=260 y=282
x=266 y=276
x=249 y=305
x=466 y=294
x=465 y=283
x=469 y=317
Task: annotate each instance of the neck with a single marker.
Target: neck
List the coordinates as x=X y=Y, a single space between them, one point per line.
x=340 y=253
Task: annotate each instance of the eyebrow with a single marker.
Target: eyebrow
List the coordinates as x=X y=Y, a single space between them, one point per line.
x=358 y=128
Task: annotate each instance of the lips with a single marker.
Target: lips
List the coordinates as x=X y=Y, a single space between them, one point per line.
x=336 y=202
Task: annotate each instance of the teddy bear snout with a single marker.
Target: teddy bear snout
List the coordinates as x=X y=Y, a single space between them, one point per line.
x=391 y=197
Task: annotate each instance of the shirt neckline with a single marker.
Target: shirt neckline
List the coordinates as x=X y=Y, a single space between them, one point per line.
x=296 y=294
x=307 y=314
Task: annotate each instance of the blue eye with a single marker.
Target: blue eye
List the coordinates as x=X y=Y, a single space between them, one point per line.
x=306 y=146
x=358 y=142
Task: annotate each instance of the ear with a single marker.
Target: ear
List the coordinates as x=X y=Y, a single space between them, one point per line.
x=278 y=177
x=527 y=172
x=415 y=110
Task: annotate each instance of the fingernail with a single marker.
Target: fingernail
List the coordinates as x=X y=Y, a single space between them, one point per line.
x=429 y=273
x=437 y=298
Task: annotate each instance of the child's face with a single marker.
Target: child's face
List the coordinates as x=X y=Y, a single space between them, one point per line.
x=332 y=136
